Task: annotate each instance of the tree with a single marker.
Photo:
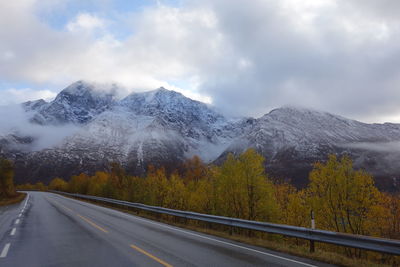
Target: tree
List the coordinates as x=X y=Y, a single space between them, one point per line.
x=203 y=194
x=260 y=197
x=27 y=186
x=231 y=199
x=293 y=205
x=118 y=183
x=7 y=189
x=298 y=209
x=40 y=186
x=58 y=184
x=78 y=184
x=392 y=203
x=384 y=219
x=97 y=184
x=156 y=186
x=342 y=197
x=177 y=194
x=194 y=170
x=243 y=188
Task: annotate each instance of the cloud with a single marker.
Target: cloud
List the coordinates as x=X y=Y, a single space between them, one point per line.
x=14 y=120
x=378 y=147
x=247 y=57
x=85 y=22
x=328 y=56
x=16 y=96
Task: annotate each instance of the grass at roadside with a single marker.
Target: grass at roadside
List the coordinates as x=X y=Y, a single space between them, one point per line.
x=281 y=246
x=9 y=201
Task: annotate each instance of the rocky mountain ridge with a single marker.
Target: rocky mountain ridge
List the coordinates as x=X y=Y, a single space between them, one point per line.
x=163 y=127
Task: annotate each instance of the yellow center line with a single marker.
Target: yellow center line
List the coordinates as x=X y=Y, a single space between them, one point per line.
x=151 y=256
x=82 y=217
x=64 y=206
x=92 y=223
x=105 y=231
x=58 y=203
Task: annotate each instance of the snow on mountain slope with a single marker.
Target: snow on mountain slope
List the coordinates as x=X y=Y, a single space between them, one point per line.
x=293 y=139
x=123 y=132
x=32 y=106
x=185 y=114
x=156 y=124
x=163 y=127
x=305 y=129
x=78 y=103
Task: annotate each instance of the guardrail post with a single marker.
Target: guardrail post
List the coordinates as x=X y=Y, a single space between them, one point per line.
x=312 y=243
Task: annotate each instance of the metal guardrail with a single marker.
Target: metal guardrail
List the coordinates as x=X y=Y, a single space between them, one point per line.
x=355 y=241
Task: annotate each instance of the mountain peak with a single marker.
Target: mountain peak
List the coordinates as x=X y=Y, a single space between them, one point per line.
x=78 y=88
x=78 y=103
x=85 y=88
x=160 y=97
x=295 y=110
x=85 y=95
x=173 y=107
x=162 y=93
x=162 y=89
x=33 y=105
x=293 y=113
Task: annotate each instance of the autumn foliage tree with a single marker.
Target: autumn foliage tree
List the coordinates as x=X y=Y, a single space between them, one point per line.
x=243 y=188
x=343 y=199
x=156 y=186
x=293 y=205
x=79 y=183
x=58 y=184
x=97 y=184
x=194 y=170
x=7 y=189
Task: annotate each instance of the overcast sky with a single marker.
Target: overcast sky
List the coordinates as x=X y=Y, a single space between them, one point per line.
x=244 y=56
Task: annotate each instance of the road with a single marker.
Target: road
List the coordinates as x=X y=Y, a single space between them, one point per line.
x=47 y=229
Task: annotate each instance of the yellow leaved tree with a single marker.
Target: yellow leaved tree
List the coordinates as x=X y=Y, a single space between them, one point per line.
x=7 y=189
x=342 y=198
x=244 y=190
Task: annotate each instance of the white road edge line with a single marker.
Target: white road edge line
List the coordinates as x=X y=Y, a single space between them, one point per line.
x=26 y=201
x=197 y=235
x=17 y=221
x=19 y=215
x=227 y=243
x=13 y=231
x=5 y=250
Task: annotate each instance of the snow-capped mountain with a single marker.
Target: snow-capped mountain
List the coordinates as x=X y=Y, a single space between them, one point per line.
x=163 y=127
x=160 y=126
x=306 y=130
x=78 y=103
x=292 y=139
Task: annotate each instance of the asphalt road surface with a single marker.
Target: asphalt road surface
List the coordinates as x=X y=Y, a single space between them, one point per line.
x=47 y=229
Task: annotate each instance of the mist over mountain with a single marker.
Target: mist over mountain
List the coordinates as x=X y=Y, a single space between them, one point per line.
x=86 y=127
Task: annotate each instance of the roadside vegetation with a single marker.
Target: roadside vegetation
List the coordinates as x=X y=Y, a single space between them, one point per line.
x=343 y=200
x=8 y=195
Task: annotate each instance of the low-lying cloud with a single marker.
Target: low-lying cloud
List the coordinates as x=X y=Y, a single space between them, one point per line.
x=17 y=96
x=14 y=120
x=393 y=146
